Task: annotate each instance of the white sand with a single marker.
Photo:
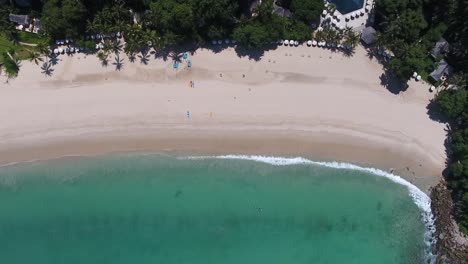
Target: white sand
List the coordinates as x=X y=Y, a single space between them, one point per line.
x=319 y=103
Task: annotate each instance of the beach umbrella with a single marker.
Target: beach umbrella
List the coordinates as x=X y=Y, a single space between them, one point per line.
x=98 y=36
x=220 y=42
x=72 y=49
x=286 y=42
x=184 y=56
x=362 y=12
x=418 y=78
x=280 y=42
x=336 y=13
x=226 y=41
x=67 y=50
x=309 y=43
x=432 y=88
x=348 y=17
x=98 y=46
x=324 y=12
x=296 y=43
x=118 y=34
x=57 y=42
x=368 y=8
x=60 y=50
x=149 y=43
x=314 y=43
x=291 y=42
x=92 y=37
x=56 y=51
x=415 y=74
x=77 y=49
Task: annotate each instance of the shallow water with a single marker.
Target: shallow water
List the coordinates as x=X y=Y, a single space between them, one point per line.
x=154 y=209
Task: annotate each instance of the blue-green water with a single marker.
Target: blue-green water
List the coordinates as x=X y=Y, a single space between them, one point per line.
x=154 y=209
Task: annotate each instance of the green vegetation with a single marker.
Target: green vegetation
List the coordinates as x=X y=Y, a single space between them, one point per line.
x=449 y=15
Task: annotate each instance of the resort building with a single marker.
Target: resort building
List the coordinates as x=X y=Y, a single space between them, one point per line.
x=368 y=36
x=19 y=20
x=347 y=13
x=440 y=48
x=442 y=71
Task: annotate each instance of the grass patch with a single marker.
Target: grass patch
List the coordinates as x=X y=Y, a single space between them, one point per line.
x=20 y=50
x=31 y=38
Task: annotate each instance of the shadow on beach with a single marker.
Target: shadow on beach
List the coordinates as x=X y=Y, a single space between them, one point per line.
x=392 y=83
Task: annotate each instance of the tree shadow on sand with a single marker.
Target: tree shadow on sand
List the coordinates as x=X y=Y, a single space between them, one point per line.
x=434 y=113
x=254 y=54
x=118 y=63
x=392 y=83
x=144 y=57
x=47 y=69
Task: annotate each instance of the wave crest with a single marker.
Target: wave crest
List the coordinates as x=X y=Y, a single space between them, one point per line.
x=421 y=199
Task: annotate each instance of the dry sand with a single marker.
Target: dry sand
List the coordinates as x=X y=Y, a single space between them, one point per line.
x=293 y=102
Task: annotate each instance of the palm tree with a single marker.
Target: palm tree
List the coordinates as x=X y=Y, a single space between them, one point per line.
x=108 y=46
x=352 y=39
x=35 y=57
x=117 y=46
x=103 y=57
x=42 y=48
x=11 y=65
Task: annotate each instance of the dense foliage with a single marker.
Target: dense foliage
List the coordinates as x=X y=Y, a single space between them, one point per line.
x=167 y=22
x=453 y=103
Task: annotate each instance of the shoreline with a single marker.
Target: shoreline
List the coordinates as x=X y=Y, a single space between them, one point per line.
x=326 y=147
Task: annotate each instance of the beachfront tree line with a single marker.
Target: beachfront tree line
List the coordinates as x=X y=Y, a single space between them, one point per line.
x=409 y=28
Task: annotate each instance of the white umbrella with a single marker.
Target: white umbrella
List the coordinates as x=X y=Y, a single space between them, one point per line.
x=286 y=42
x=60 y=50
x=314 y=43
x=367 y=8
x=220 y=42
x=57 y=42
x=56 y=51
x=296 y=43
x=118 y=34
x=92 y=37
x=280 y=42
x=432 y=88
x=309 y=43
x=418 y=78
x=324 y=13
x=291 y=42
x=348 y=17
x=415 y=74
x=319 y=28
x=149 y=43
x=336 y=13
x=362 y=12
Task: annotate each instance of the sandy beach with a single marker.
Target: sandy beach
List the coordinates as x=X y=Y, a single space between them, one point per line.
x=299 y=101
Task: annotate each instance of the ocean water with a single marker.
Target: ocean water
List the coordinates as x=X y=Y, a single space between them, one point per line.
x=159 y=209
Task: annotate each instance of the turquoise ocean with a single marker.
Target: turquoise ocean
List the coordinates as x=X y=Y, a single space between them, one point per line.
x=230 y=209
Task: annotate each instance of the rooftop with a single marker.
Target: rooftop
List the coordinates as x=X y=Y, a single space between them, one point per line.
x=19 y=19
x=443 y=68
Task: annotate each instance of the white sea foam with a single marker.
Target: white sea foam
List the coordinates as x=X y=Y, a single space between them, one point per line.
x=419 y=197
